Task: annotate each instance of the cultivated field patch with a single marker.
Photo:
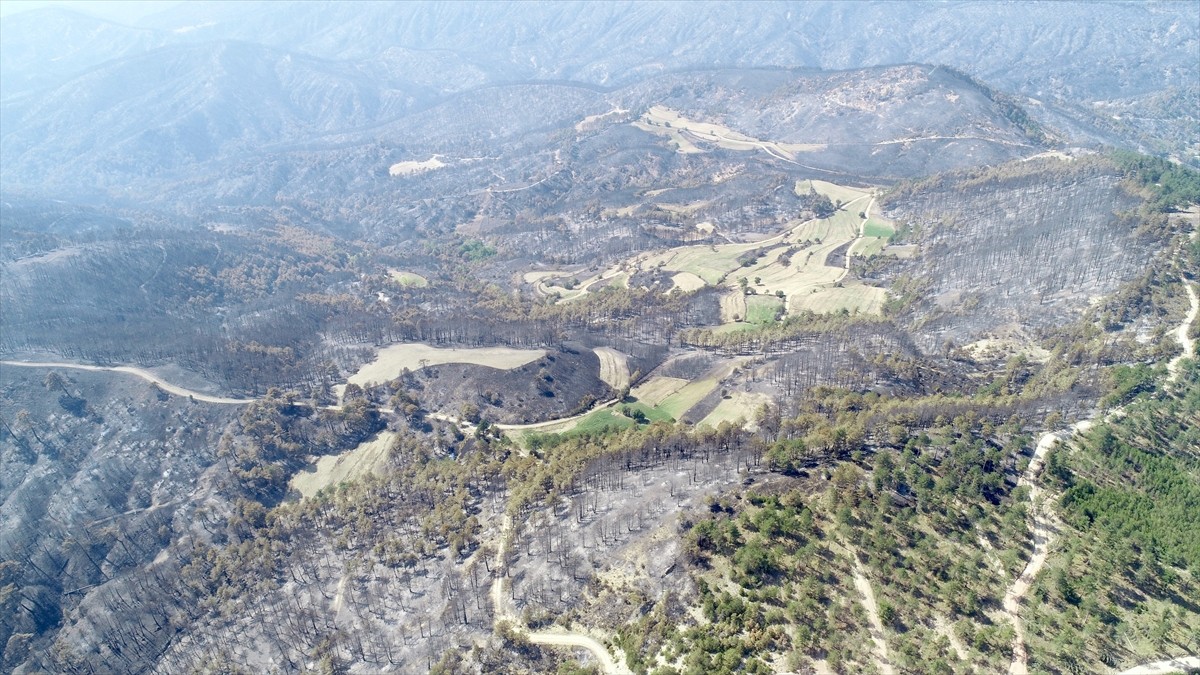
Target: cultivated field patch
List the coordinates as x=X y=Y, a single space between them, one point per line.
x=684 y=133
x=392 y=360
x=614 y=367
x=740 y=406
x=653 y=391
x=852 y=296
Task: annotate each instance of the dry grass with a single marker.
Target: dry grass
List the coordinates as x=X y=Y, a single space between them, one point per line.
x=739 y=407
x=614 y=367
x=653 y=391
x=686 y=281
x=392 y=360
x=369 y=457
x=853 y=296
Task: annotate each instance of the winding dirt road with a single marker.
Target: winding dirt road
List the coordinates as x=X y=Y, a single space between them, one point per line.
x=138 y=372
x=1044 y=529
x=1043 y=535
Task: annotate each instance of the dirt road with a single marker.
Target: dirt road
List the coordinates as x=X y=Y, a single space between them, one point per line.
x=139 y=372
x=1181 y=333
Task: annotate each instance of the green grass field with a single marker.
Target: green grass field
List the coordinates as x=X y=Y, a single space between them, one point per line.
x=763 y=309
x=874 y=228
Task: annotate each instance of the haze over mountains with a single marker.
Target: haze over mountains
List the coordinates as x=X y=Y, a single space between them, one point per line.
x=204 y=80
x=655 y=337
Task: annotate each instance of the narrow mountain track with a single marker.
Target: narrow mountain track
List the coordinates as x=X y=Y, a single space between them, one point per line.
x=1044 y=522
x=137 y=372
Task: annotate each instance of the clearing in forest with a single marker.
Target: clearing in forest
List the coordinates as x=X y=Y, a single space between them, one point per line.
x=331 y=470
x=740 y=406
x=411 y=279
x=410 y=168
x=392 y=360
x=684 y=133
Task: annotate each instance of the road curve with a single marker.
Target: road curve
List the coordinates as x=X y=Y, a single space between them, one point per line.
x=607 y=664
x=138 y=372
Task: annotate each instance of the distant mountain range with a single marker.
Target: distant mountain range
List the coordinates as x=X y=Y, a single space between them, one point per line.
x=93 y=108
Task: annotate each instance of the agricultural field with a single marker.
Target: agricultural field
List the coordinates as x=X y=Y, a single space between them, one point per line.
x=795 y=262
x=391 y=361
x=739 y=406
x=614 y=367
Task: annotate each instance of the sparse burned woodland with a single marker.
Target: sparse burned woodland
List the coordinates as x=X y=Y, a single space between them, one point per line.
x=348 y=338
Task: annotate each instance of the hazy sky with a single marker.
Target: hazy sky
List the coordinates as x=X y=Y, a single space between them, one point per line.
x=123 y=11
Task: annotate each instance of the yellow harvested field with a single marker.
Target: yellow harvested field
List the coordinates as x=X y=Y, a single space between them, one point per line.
x=653 y=391
x=740 y=405
x=686 y=281
x=411 y=167
x=682 y=144
x=392 y=360
x=369 y=457
x=614 y=367
x=852 y=296
x=804 y=270
x=831 y=190
x=687 y=396
x=733 y=306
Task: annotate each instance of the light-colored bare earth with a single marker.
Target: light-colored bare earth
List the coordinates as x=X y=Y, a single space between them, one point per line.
x=883 y=659
x=592 y=121
x=391 y=361
x=686 y=281
x=1179 y=664
x=1044 y=524
x=685 y=132
x=369 y=457
x=138 y=372
x=740 y=406
x=733 y=306
x=614 y=367
x=1181 y=333
x=1044 y=529
x=579 y=641
x=501 y=610
x=942 y=626
x=654 y=390
x=410 y=168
